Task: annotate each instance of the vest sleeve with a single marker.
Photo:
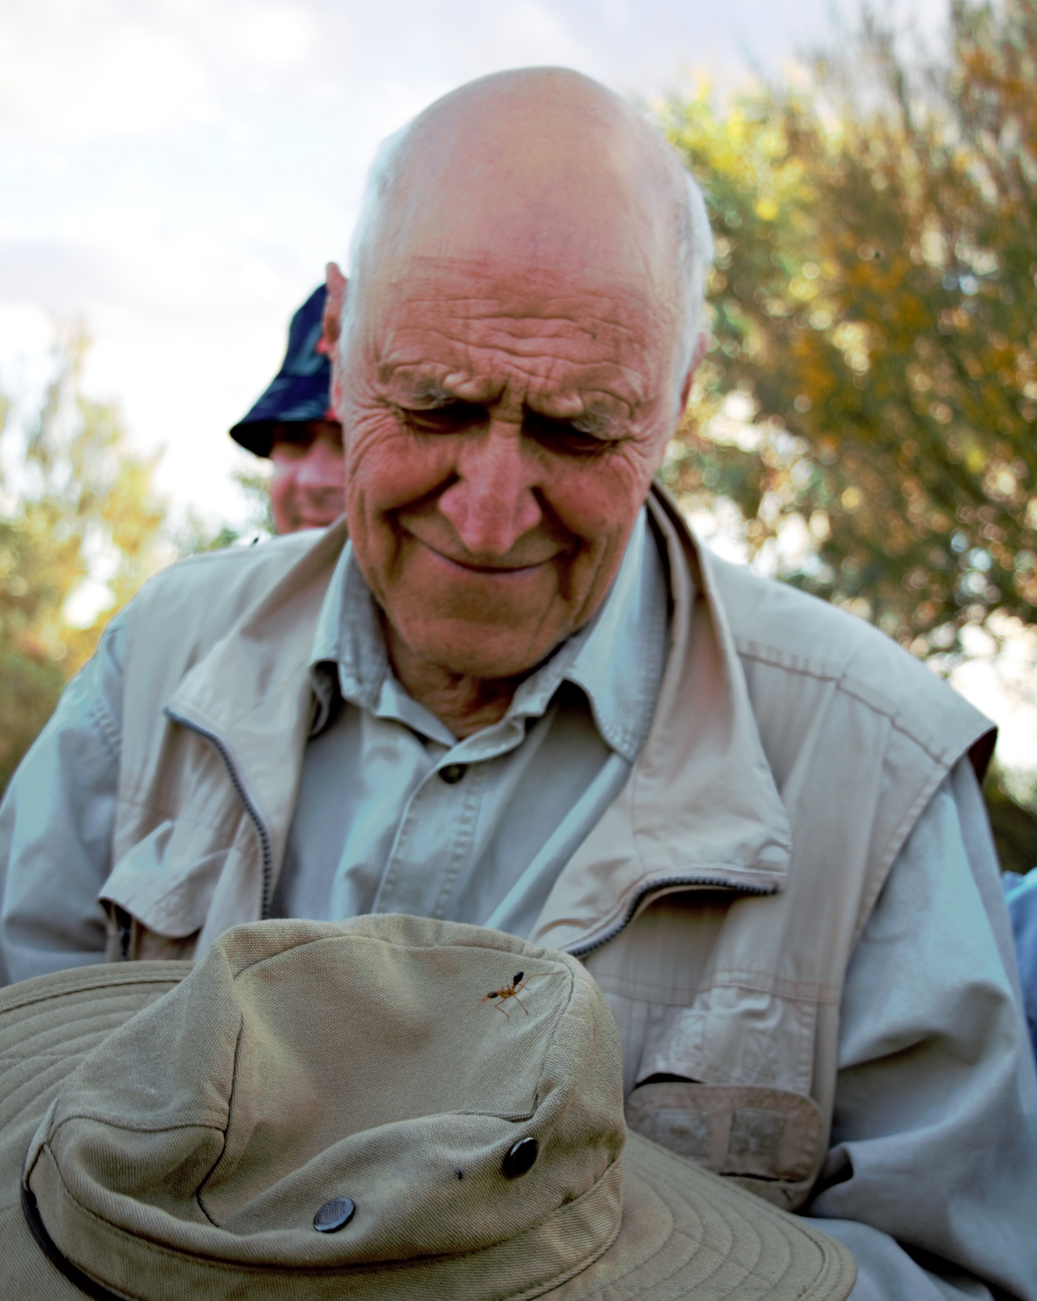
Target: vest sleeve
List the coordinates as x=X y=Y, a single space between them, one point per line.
x=932 y=1173
x=56 y=824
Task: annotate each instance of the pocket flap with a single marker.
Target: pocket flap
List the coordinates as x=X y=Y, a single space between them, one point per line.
x=733 y=1129
x=167 y=879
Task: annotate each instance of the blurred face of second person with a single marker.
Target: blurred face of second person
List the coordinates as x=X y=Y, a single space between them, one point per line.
x=307 y=489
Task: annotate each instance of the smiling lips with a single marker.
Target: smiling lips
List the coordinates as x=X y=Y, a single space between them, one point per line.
x=490 y=570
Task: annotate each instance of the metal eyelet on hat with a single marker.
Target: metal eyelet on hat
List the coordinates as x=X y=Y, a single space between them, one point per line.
x=334 y=1215
x=520 y=1159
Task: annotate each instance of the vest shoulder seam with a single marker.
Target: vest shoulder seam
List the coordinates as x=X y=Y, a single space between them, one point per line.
x=870 y=697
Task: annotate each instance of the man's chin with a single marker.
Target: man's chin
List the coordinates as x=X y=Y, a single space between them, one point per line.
x=472 y=648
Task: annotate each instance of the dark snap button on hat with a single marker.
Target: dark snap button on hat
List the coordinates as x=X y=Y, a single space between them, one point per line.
x=452 y=773
x=334 y=1215
x=520 y=1159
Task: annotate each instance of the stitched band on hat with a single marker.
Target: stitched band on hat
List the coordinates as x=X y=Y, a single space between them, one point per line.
x=49 y=1248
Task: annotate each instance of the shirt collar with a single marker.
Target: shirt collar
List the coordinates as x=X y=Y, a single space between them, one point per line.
x=617 y=659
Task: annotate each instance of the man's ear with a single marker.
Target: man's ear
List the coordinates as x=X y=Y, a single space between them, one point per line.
x=700 y=352
x=337 y=284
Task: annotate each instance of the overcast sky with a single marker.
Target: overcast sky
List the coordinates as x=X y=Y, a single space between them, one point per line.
x=177 y=172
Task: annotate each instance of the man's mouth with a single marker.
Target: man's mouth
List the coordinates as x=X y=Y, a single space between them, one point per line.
x=489 y=569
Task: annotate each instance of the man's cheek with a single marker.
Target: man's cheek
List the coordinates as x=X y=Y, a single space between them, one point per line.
x=281 y=487
x=593 y=501
x=392 y=468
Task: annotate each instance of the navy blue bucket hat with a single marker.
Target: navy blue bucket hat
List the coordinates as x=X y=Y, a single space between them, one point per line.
x=301 y=389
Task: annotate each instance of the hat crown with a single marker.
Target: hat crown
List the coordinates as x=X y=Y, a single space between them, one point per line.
x=303 y=1062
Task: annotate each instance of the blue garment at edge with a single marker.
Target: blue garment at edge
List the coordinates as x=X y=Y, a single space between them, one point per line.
x=1021 y=897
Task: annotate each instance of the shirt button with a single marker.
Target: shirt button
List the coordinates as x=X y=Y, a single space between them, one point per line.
x=452 y=773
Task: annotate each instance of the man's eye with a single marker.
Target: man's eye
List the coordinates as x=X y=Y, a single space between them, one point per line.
x=563 y=437
x=452 y=418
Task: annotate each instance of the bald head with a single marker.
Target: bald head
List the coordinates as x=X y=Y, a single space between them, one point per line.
x=539 y=171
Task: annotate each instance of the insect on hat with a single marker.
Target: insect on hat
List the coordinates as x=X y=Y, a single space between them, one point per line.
x=319 y=1111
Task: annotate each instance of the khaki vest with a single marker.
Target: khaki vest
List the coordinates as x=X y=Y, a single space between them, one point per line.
x=718 y=900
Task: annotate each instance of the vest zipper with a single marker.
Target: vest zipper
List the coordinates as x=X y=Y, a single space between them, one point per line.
x=242 y=794
x=581 y=950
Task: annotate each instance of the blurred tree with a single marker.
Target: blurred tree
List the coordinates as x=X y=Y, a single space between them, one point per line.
x=874 y=311
x=75 y=504
x=870 y=399
x=195 y=534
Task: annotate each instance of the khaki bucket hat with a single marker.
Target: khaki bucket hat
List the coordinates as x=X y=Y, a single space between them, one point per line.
x=392 y=1108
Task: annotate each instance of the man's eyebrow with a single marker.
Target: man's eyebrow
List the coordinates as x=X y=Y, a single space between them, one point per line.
x=431 y=393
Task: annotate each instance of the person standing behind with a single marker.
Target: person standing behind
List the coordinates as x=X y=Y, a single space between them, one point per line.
x=292 y=423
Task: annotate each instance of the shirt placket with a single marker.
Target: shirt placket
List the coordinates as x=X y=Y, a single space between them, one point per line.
x=434 y=843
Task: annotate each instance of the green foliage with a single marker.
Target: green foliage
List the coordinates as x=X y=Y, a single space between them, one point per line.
x=874 y=305
x=1013 y=824
x=195 y=535
x=78 y=501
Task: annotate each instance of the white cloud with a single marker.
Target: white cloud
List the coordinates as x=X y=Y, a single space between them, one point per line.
x=77 y=70
x=276 y=36
x=527 y=32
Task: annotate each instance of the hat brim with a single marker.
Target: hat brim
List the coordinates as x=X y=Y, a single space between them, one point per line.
x=290 y=400
x=255 y=436
x=47 y=1026
x=684 y=1232
x=689 y=1233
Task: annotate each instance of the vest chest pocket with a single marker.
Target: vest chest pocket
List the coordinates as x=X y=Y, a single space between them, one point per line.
x=770 y=1141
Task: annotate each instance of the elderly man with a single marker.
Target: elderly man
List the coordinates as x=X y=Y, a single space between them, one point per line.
x=292 y=423
x=521 y=695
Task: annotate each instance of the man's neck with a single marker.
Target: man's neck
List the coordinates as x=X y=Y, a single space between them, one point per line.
x=464 y=704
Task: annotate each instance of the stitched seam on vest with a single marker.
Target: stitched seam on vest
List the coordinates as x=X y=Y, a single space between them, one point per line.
x=863 y=694
x=758 y=982
x=896 y=842
x=106 y=727
x=943 y=760
x=755 y=650
x=851 y=686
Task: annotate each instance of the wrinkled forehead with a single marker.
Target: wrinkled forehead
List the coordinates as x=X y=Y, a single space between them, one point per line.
x=478 y=317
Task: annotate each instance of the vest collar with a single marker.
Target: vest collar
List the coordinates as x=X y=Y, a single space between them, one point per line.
x=251 y=695
x=701 y=808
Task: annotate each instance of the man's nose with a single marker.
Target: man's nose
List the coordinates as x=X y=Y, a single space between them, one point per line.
x=493 y=503
x=321 y=467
